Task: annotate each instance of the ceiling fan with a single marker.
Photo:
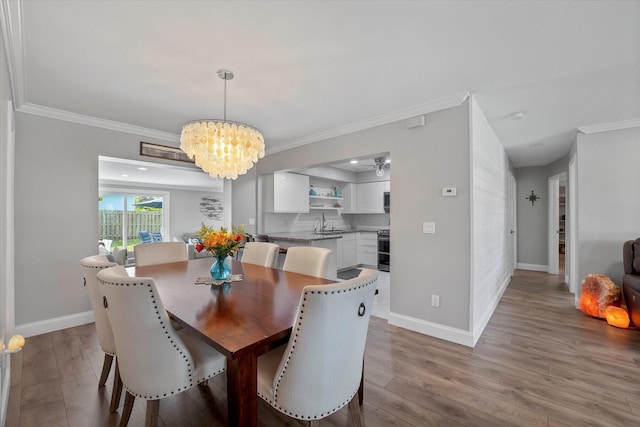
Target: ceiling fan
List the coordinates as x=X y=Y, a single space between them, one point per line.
x=380 y=164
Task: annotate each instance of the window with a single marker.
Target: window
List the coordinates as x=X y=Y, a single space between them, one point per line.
x=124 y=217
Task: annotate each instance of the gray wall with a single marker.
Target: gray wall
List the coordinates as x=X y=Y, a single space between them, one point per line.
x=608 y=199
x=56 y=182
x=532 y=220
x=424 y=160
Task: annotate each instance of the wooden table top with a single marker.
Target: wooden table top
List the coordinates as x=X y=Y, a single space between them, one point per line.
x=242 y=317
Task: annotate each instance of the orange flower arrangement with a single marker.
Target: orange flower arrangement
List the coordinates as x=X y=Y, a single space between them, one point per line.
x=220 y=243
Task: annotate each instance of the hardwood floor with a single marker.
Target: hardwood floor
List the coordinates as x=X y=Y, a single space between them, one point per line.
x=539 y=362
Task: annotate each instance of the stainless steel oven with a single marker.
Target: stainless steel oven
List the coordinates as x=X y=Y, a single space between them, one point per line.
x=384 y=250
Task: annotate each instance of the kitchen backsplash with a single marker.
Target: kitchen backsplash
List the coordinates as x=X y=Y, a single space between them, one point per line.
x=287 y=223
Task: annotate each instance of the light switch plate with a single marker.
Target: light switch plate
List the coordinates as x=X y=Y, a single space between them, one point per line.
x=429 y=227
x=449 y=191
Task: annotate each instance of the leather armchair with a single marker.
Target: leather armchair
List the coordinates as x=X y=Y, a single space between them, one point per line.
x=631 y=279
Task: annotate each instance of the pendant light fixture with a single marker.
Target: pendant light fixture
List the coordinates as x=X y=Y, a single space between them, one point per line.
x=222 y=148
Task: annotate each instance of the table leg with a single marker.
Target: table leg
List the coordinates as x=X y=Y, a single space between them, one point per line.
x=242 y=391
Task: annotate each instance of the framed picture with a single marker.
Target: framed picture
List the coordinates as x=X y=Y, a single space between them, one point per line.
x=163 y=152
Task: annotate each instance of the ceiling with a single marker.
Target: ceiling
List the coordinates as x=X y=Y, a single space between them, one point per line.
x=113 y=171
x=306 y=70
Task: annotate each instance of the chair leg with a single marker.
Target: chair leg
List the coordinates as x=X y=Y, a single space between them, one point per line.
x=354 y=412
x=153 y=413
x=106 y=367
x=126 y=411
x=116 y=392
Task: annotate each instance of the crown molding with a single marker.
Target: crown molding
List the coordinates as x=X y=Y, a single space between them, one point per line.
x=67 y=116
x=430 y=107
x=605 y=127
x=11 y=22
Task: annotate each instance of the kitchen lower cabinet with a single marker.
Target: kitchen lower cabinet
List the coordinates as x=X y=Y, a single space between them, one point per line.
x=367 y=248
x=347 y=254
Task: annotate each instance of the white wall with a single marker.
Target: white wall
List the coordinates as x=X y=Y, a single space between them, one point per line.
x=424 y=159
x=57 y=165
x=608 y=199
x=490 y=210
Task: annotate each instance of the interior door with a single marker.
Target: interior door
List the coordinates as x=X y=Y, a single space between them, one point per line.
x=513 y=221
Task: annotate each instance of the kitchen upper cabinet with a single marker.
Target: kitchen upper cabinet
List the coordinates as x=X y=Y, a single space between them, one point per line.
x=370 y=197
x=285 y=192
x=349 y=204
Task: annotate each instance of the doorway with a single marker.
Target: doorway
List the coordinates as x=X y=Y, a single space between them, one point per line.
x=557 y=223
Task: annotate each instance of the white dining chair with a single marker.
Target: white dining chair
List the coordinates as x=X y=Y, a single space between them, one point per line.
x=154 y=359
x=160 y=253
x=307 y=260
x=91 y=266
x=260 y=253
x=319 y=371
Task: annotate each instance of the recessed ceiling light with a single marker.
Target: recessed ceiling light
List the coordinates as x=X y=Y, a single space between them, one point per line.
x=388 y=161
x=517 y=115
x=353 y=162
x=142 y=169
x=125 y=175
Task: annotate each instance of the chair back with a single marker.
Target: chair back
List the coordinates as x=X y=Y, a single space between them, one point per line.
x=145 y=236
x=90 y=267
x=160 y=253
x=153 y=360
x=307 y=260
x=321 y=367
x=260 y=253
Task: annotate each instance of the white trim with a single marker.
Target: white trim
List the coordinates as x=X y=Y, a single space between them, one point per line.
x=11 y=23
x=489 y=310
x=5 y=396
x=447 y=333
x=55 y=324
x=68 y=116
x=532 y=267
x=605 y=127
x=429 y=107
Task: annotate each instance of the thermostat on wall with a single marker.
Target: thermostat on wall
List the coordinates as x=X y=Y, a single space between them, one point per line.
x=449 y=191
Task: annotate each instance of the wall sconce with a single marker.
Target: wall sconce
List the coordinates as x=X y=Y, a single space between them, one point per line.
x=532 y=198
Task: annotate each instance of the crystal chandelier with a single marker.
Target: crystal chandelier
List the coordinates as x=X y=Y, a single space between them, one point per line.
x=222 y=148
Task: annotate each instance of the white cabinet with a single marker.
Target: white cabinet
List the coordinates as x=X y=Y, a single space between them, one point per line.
x=285 y=192
x=387 y=186
x=347 y=256
x=349 y=204
x=367 y=248
x=370 y=197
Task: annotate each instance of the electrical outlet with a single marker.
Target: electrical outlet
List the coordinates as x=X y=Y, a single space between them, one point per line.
x=435 y=301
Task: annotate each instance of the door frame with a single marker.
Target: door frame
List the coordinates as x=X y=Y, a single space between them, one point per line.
x=572 y=237
x=513 y=220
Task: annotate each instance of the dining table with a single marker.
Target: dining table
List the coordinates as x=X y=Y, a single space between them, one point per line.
x=242 y=319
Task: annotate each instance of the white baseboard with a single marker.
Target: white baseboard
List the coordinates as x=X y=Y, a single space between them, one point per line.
x=55 y=324
x=490 y=308
x=532 y=267
x=447 y=333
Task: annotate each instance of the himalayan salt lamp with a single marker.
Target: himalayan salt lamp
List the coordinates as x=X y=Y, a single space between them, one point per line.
x=617 y=317
x=598 y=293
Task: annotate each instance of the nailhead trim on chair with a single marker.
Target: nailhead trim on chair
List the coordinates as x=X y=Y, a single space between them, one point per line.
x=192 y=383
x=286 y=364
x=99 y=267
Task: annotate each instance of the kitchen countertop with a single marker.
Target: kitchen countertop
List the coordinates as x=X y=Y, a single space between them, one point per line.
x=302 y=236
x=308 y=236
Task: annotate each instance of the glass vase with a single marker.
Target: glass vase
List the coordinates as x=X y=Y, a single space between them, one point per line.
x=220 y=270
